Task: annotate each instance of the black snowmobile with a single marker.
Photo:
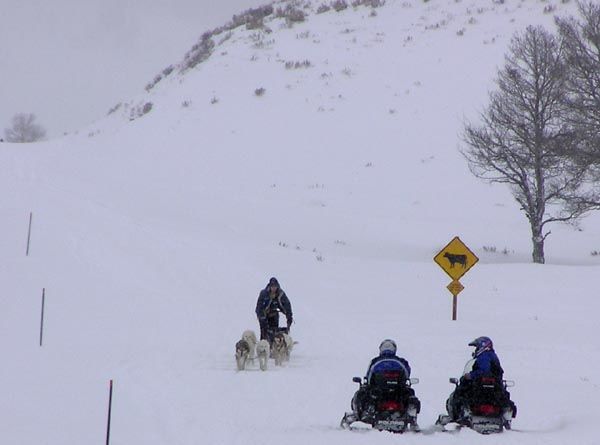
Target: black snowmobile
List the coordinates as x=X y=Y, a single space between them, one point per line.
x=488 y=410
x=390 y=404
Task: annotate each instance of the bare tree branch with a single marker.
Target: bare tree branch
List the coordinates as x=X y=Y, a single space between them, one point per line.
x=525 y=132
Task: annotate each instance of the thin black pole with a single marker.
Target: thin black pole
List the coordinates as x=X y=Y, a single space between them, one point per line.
x=29 y=233
x=109 y=412
x=454 y=304
x=42 y=317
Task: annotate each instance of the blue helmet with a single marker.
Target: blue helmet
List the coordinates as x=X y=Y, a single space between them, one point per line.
x=482 y=344
x=387 y=347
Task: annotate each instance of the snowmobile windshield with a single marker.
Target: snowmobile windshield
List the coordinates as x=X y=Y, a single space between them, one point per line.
x=469 y=366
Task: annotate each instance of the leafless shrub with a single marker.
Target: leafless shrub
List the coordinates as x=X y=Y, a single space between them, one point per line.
x=260 y=92
x=113 y=109
x=140 y=110
x=24 y=129
x=199 y=52
x=339 y=5
x=259 y=41
x=255 y=24
x=154 y=81
x=253 y=18
x=368 y=3
x=186 y=103
x=289 y=65
x=291 y=14
x=323 y=8
x=168 y=70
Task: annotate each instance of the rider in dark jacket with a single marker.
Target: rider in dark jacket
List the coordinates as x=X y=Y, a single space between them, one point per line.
x=272 y=300
x=485 y=363
x=387 y=361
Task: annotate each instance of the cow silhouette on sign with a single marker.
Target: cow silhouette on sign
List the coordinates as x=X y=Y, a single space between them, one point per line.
x=454 y=258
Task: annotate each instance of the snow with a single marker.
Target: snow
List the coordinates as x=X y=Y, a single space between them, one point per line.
x=70 y=62
x=153 y=237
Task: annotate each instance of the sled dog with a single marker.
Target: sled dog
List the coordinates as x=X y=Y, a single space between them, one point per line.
x=242 y=352
x=250 y=338
x=282 y=346
x=263 y=351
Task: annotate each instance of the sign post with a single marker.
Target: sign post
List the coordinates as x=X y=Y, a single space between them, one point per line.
x=455 y=259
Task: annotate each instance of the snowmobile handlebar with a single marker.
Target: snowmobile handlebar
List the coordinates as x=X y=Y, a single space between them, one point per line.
x=409 y=382
x=505 y=383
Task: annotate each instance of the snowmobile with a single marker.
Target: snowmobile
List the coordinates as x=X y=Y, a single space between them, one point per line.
x=486 y=411
x=390 y=405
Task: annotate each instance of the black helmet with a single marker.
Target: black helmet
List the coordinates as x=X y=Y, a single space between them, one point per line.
x=481 y=344
x=387 y=347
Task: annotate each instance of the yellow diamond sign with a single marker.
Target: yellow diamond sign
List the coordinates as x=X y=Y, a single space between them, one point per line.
x=456 y=259
x=455 y=288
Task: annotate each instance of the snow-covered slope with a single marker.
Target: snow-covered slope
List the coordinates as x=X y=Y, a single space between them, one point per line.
x=153 y=236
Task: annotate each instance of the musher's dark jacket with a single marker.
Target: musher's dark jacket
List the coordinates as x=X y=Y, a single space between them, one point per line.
x=267 y=305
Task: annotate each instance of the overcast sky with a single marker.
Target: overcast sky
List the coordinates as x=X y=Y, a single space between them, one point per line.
x=69 y=61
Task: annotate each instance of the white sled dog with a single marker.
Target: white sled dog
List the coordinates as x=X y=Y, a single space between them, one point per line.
x=282 y=347
x=245 y=349
x=263 y=351
x=250 y=337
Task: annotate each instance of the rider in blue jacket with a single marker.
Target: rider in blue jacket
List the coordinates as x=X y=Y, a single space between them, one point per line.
x=485 y=363
x=386 y=362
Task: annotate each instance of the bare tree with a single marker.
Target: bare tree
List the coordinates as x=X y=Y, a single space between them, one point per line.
x=523 y=135
x=582 y=54
x=24 y=129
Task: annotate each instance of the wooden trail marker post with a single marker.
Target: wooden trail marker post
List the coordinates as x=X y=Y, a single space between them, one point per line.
x=455 y=259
